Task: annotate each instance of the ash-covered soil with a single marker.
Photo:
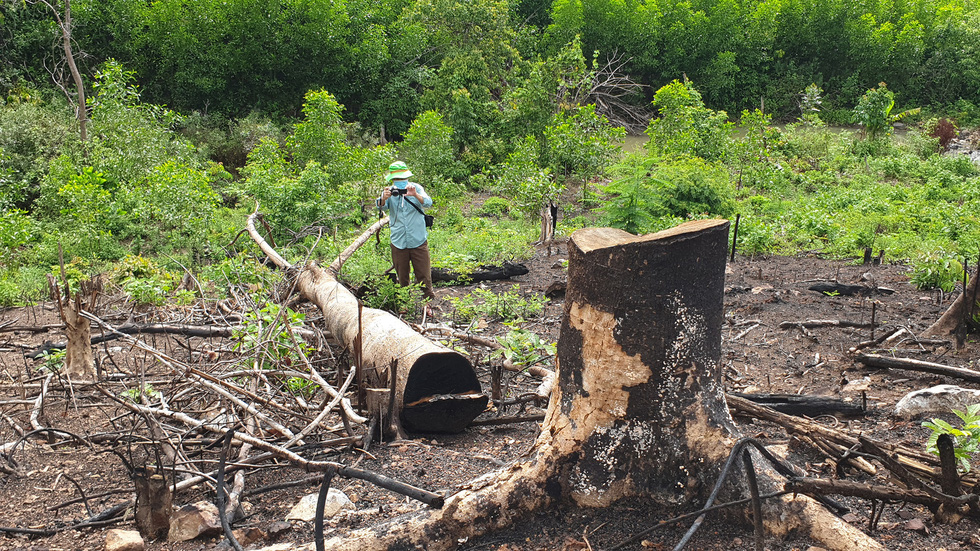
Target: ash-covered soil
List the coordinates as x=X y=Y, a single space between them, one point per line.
x=759 y=356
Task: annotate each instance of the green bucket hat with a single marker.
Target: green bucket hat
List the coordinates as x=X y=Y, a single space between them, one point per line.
x=397 y=171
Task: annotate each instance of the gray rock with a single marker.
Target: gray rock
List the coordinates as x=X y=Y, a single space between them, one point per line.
x=305 y=510
x=936 y=399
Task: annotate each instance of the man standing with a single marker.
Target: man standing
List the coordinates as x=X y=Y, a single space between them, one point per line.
x=405 y=202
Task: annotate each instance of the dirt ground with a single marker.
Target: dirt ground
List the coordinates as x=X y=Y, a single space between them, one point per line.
x=758 y=357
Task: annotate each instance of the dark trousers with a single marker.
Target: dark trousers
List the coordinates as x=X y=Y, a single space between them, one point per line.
x=419 y=260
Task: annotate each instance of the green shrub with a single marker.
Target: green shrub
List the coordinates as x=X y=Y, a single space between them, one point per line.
x=936 y=272
x=16 y=230
x=685 y=126
x=524 y=348
x=507 y=306
x=241 y=270
x=966 y=438
x=495 y=206
x=522 y=178
x=265 y=336
x=428 y=150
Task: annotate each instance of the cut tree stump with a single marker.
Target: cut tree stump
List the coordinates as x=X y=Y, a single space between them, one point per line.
x=79 y=359
x=955 y=316
x=638 y=410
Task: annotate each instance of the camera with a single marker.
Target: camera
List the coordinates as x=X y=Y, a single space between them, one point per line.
x=397 y=191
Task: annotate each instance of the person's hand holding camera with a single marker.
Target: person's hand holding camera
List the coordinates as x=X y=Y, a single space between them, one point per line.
x=407 y=190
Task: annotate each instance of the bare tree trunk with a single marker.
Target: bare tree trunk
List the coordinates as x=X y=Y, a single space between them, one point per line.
x=64 y=25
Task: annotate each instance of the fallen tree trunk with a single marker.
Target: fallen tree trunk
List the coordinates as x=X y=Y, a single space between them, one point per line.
x=482 y=273
x=835 y=289
x=436 y=390
x=638 y=410
x=886 y=362
x=810 y=406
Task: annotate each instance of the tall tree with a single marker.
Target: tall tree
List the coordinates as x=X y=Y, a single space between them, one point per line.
x=62 y=16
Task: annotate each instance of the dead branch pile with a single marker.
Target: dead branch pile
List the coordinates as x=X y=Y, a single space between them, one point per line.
x=167 y=398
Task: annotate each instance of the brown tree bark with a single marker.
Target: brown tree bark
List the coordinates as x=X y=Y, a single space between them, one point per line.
x=64 y=21
x=436 y=389
x=79 y=360
x=954 y=317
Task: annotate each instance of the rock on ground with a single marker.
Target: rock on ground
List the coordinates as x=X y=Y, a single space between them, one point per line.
x=123 y=540
x=936 y=399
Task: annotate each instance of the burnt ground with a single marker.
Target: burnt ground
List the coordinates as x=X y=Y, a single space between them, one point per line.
x=758 y=357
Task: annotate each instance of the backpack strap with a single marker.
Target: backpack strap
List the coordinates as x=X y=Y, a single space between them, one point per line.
x=416 y=207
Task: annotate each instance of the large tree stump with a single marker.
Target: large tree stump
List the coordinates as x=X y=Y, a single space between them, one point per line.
x=960 y=312
x=638 y=409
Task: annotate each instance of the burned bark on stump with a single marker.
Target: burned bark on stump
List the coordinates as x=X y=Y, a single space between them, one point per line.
x=154 y=503
x=639 y=349
x=638 y=410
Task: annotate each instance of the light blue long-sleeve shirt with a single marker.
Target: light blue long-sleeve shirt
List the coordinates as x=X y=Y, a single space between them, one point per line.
x=407 y=224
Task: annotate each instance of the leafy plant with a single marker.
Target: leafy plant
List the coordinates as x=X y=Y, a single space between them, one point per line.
x=264 y=333
x=685 y=126
x=522 y=177
x=507 y=306
x=386 y=294
x=147 y=292
x=459 y=263
x=935 y=272
x=136 y=394
x=53 y=360
x=966 y=438
x=301 y=386
x=874 y=111
x=524 y=348
x=810 y=101
x=495 y=206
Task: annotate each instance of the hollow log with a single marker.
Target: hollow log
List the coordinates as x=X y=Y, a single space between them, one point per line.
x=638 y=410
x=437 y=390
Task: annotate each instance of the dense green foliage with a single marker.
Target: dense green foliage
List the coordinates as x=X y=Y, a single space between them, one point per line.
x=388 y=61
x=197 y=112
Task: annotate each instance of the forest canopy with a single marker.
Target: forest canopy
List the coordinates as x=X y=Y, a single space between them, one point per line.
x=182 y=116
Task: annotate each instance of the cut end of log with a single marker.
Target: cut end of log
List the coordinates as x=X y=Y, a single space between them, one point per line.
x=442 y=394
